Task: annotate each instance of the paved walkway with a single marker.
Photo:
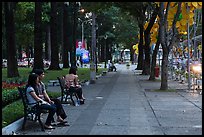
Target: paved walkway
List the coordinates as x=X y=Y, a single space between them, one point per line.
x=124 y=103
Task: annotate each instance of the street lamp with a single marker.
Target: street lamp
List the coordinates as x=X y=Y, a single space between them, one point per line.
x=82 y=29
x=189 y=82
x=105 y=37
x=93 y=50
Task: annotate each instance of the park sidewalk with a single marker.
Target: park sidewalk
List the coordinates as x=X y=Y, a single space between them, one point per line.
x=126 y=103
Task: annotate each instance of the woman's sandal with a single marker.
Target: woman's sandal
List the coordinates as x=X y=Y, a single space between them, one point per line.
x=63 y=124
x=62 y=121
x=81 y=102
x=48 y=127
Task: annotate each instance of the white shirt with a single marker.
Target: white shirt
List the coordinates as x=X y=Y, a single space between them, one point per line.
x=29 y=97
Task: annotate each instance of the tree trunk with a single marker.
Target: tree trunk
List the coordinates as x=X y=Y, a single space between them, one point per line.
x=146 y=68
x=140 y=48
x=164 y=70
x=162 y=37
x=154 y=58
x=38 y=61
x=12 y=69
x=74 y=32
x=48 y=44
x=66 y=34
x=54 y=45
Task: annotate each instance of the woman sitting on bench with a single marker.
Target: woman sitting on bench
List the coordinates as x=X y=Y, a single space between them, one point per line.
x=61 y=115
x=31 y=89
x=71 y=82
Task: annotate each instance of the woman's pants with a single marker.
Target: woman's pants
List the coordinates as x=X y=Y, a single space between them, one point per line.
x=52 y=109
x=60 y=110
x=78 y=91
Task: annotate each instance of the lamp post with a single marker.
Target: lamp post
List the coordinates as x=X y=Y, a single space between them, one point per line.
x=82 y=29
x=93 y=50
x=189 y=82
x=105 y=37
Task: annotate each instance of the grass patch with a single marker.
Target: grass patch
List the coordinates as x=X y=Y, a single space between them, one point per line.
x=12 y=112
x=83 y=73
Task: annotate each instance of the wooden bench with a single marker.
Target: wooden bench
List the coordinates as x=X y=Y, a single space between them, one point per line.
x=66 y=92
x=30 y=113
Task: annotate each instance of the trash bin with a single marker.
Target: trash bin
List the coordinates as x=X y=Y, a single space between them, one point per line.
x=156 y=70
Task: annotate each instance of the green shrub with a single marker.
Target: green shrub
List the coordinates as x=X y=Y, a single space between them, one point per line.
x=12 y=112
x=9 y=96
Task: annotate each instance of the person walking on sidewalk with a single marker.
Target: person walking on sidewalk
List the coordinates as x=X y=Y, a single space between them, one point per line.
x=61 y=115
x=33 y=98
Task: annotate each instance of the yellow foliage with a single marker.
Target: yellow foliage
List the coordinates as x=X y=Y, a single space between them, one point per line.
x=189 y=4
x=199 y=47
x=145 y=25
x=200 y=3
x=172 y=4
x=178 y=24
x=170 y=16
x=195 y=4
x=170 y=23
x=183 y=28
x=136 y=51
x=192 y=8
x=191 y=15
x=135 y=46
x=190 y=21
x=165 y=4
x=183 y=22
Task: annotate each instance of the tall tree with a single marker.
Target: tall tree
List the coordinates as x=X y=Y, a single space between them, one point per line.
x=154 y=57
x=66 y=35
x=166 y=45
x=38 y=61
x=12 y=70
x=146 y=68
x=54 y=45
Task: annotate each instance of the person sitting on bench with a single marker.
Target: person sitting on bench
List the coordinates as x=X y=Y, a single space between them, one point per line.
x=61 y=115
x=33 y=98
x=112 y=67
x=71 y=82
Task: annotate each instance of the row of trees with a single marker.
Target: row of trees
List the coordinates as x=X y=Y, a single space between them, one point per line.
x=162 y=23
x=128 y=19
x=49 y=28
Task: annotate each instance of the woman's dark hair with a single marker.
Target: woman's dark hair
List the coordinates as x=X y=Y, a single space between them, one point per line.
x=32 y=81
x=38 y=71
x=72 y=70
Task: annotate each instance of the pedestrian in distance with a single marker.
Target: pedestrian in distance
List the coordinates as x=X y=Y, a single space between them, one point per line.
x=112 y=67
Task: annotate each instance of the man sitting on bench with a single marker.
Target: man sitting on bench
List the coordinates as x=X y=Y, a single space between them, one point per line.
x=112 y=67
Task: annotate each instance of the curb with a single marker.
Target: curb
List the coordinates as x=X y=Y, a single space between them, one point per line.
x=13 y=127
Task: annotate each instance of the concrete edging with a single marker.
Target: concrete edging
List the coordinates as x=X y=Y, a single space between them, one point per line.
x=13 y=127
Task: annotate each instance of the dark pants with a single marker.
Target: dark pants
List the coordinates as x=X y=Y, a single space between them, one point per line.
x=77 y=90
x=60 y=110
x=52 y=109
x=112 y=68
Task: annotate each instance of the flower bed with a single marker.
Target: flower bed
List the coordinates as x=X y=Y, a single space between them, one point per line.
x=10 y=92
